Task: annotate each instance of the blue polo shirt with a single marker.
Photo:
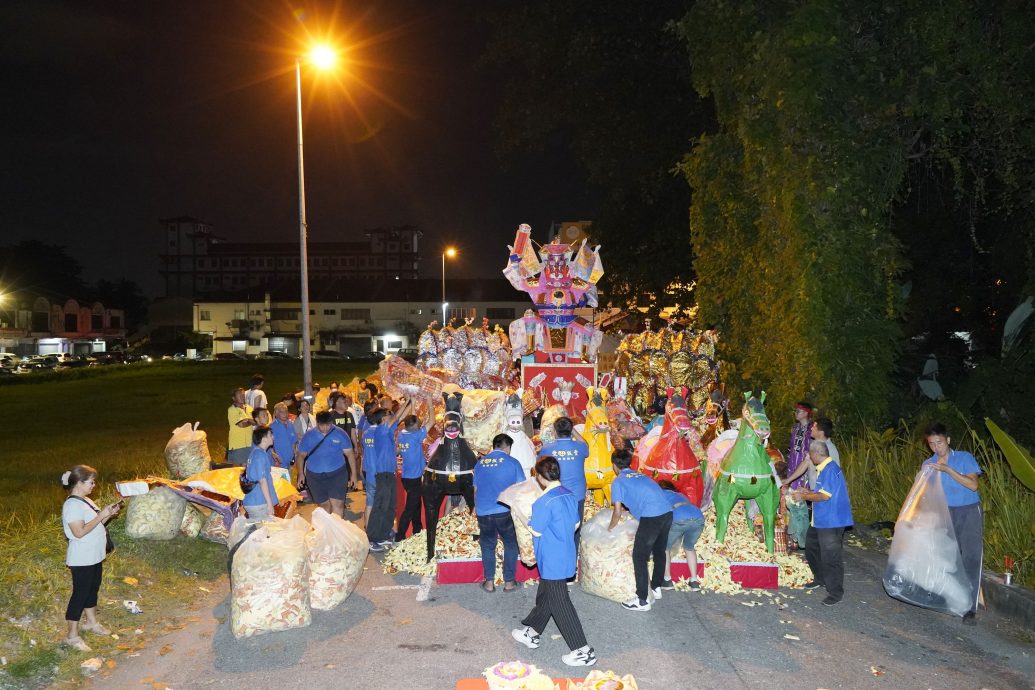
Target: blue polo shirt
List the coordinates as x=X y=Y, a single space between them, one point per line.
x=555 y=515
x=640 y=494
x=571 y=456
x=284 y=438
x=956 y=494
x=494 y=473
x=682 y=508
x=410 y=445
x=258 y=467
x=379 y=448
x=837 y=511
x=329 y=455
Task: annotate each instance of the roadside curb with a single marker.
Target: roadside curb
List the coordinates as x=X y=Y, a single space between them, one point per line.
x=1012 y=602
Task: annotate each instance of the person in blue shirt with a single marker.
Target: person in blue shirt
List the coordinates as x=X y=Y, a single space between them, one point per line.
x=831 y=515
x=284 y=437
x=259 y=502
x=645 y=501
x=553 y=522
x=379 y=467
x=322 y=463
x=571 y=455
x=410 y=447
x=687 y=525
x=960 y=472
x=496 y=471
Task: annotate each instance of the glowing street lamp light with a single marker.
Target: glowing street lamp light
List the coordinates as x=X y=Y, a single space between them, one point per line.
x=450 y=252
x=323 y=57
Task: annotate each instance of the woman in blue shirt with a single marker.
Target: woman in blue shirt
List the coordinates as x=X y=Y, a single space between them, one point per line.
x=259 y=502
x=960 y=472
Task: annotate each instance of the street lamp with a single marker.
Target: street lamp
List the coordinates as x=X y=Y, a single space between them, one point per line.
x=450 y=252
x=323 y=57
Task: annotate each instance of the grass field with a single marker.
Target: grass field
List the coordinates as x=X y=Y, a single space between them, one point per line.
x=117 y=419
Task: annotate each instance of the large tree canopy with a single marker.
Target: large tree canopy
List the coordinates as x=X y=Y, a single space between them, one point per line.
x=830 y=112
x=611 y=80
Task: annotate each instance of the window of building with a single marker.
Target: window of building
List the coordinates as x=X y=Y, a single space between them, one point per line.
x=205 y=315
x=312 y=312
x=254 y=343
x=351 y=261
x=329 y=312
x=96 y=322
x=415 y=311
x=355 y=314
x=363 y=261
x=294 y=262
x=115 y=321
x=500 y=312
x=394 y=344
x=284 y=314
x=380 y=261
x=406 y=246
x=71 y=323
x=393 y=247
x=337 y=262
x=172 y=243
x=239 y=314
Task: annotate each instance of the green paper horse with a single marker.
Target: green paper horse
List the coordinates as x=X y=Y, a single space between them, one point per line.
x=747 y=472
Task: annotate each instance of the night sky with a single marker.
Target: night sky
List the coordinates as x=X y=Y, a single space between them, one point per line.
x=116 y=114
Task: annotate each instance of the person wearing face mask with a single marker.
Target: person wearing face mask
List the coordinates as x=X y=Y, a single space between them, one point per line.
x=450 y=470
x=521 y=449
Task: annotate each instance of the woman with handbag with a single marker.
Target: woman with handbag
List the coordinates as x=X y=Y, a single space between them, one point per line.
x=88 y=545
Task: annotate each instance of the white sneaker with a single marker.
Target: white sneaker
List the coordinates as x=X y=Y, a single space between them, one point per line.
x=526 y=636
x=656 y=592
x=636 y=605
x=584 y=656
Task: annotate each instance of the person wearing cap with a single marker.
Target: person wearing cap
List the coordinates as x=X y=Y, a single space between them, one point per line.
x=239 y=417
x=255 y=397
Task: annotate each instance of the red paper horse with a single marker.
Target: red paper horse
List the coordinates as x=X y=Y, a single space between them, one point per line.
x=675 y=455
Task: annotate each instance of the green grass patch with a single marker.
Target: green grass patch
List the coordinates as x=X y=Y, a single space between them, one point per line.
x=117 y=419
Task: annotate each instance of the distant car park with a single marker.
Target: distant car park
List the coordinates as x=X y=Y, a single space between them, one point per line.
x=409 y=354
x=369 y=356
x=329 y=354
x=227 y=357
x=275 y=354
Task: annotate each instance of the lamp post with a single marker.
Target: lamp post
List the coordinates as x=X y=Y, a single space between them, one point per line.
x=324 y=58
x=450 y=252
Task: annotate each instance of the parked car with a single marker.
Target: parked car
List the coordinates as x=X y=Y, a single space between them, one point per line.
x=329 y=354
x=274 y=354
x=81 y=361
x=227 y=357
x=9 y=359
x=369 y=356
x=409 y=354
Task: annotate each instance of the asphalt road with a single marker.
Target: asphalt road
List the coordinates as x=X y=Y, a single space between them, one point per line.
x=381 y=637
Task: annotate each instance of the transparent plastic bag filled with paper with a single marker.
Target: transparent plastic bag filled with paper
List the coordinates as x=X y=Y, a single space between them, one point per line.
x=186 y=453
x=925 y=567
x=336 y=550
x=605 y=557
x=520 y=498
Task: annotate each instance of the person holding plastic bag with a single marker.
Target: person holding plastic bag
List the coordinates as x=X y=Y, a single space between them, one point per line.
x=959 y=474
x=831 y=515
x=259 y=502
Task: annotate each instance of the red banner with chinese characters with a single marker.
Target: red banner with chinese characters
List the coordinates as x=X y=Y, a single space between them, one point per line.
x=560 y=384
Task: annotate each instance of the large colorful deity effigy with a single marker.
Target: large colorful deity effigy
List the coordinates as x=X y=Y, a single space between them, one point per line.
x=560 y=278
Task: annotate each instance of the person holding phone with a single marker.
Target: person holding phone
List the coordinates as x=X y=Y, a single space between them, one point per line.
x=83 y=523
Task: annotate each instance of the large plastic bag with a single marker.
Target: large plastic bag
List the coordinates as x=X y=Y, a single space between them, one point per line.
x=605 y=558
x=214 y=528
x=192 y=522
x=336 y=550
x=520 y=498
x=269 y=579
x=925 y=567
x=157 y=514
x=186 y=453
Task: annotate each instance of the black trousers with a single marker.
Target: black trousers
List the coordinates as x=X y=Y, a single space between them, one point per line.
x=552 y=600
x=86 y=582
x=382 y=513
x=824 y=554
x=651 y=541
x=411 y=511
x=435 y=488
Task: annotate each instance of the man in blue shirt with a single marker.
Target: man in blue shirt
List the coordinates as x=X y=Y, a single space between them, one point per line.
x=321 y=458
x=410 y=447
x=831 y=515
x=284 y=437
x=496 y=471
x=645 y=500
x=960 y=472
x=379 y=466
x=553 y=523
x=571 y=456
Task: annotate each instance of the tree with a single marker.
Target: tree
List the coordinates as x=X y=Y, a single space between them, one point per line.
x=610 y=79
x=123 y=294
x=37 y=267
x=828 y=111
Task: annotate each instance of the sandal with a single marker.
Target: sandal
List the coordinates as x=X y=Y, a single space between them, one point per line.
x=509 y=586
x=488 y=586
x=77 y=644
x=96 y=628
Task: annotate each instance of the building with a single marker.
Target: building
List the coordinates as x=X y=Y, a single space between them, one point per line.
x=31 y=324
x=349 y=316
x=196 y=263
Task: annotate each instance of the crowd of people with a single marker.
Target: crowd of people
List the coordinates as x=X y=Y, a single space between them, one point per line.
x=331 y=444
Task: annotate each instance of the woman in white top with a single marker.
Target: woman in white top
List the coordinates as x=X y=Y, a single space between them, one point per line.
x=84 y=522
x=305 y=420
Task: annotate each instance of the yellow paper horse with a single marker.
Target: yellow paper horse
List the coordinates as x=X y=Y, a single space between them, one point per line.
x=598 y=436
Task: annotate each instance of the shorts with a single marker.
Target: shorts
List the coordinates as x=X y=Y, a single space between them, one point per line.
x=259 y=511
x=688 y=530
x=324 y=486
x=238 y=456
